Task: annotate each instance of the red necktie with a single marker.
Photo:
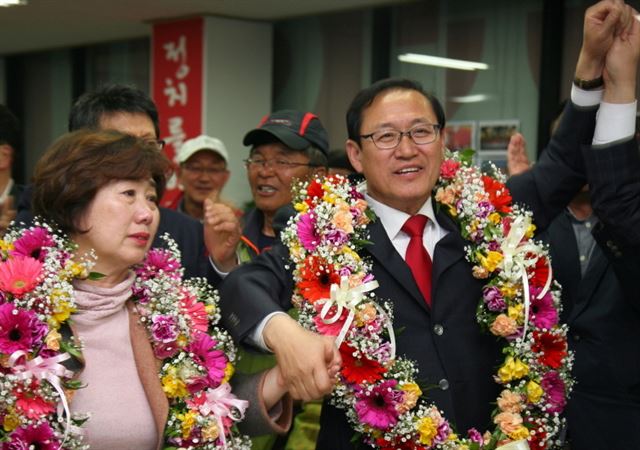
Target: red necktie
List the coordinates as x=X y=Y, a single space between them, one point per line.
x=417 y=257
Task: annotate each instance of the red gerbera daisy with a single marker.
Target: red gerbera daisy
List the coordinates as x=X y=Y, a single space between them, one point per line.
x=358 y=370
x=551 y=349
x=316 y=279
x=314 y=192
x=499 y=195
x=540 y=273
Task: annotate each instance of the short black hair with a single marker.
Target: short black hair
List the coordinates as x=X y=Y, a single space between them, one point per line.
x=9 y=128
x=366 y=96
x=90 y=107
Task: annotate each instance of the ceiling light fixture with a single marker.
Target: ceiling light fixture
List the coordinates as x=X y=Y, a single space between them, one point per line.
x=474 y=98
x=6 y=3
x=438 y=61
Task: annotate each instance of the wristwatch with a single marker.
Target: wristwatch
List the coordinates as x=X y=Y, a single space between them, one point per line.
x=589 y=85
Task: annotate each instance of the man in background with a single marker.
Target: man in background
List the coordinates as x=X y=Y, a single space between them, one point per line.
x=9 y=143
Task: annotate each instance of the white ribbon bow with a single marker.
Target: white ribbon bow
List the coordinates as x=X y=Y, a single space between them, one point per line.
x=221 y=403
x=48 y=369
x=342 y=296
x=522 y=444
x=511 y=247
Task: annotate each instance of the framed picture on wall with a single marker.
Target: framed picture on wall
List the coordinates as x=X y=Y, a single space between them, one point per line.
x=495 y=134
x=460 y=134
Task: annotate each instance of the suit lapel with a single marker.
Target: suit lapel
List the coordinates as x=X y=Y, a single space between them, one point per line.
x=449 y=250
x=148 y=368
x=388 y=259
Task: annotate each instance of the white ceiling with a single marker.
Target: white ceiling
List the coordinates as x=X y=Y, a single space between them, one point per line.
x=47 y=24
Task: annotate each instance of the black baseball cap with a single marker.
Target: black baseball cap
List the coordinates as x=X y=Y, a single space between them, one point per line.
x=297 y=130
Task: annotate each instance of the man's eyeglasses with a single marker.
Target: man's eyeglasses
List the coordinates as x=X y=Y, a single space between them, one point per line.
x=159 y=143
x=278 y=164
x=420 y=134
x=198 y=170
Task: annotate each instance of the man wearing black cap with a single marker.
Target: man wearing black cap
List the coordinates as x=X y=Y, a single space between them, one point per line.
x=287 y=145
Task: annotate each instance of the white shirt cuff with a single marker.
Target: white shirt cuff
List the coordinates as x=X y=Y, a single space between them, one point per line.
x=580 y=97
x=615 y=122
x=256 y=338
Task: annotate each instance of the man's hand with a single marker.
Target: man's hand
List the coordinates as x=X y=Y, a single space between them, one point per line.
x=221 y=232
x=308 y=362
x=622 y=63
x=602 y=23
x=517 y=157
x=7 y=214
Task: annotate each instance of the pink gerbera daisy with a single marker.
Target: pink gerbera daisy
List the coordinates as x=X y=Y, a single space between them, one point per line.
x=20 y=331
x=377 y=407
x=158 y=259
x=33 y=243
x=40 y=437
x=307 y=232
x=196 y=311
x=20 y=274
x=543 y=313
x=205 y=354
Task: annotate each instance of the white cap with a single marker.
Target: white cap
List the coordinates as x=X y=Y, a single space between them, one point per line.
x=202 y=142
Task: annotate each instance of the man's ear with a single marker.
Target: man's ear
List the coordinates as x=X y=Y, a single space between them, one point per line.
x=6 y=156
x=354 y=152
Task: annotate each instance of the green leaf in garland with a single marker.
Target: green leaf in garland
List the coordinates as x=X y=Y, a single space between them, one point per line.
x=94 y=276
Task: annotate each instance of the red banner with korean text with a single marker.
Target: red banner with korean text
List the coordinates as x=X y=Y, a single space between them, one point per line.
x=177 y=85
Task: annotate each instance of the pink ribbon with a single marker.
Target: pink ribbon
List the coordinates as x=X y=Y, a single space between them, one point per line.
x=221 y=403
x=48 y=369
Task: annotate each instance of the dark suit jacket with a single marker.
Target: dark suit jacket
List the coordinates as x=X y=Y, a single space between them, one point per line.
x=185 y=230
x=605 y=336
x=451 y=351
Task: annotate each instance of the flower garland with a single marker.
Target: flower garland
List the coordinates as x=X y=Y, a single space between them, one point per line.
x=36 y=304
x=520 y=304
x=181 y=318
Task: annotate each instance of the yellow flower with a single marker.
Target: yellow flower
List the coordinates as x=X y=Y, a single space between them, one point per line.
x=210 y=432
x=427 y=430
x=188 y=420
x=301 y=207
x=173 y=386
x=210 y=309
x=534 y=392
x=491 y=261
x=5 y=246
x=228 y=372
x=494 y=218
x=508 y=290
x=512 y=369
x=530 y=231
x=520 y=433
x=515 y=312
x=11 y=421
x=182 y=340
x=75 y=270
x=52 y=341
x=62 y=310
x=411 y=395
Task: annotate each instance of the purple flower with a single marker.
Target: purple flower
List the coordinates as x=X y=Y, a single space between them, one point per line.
x=554 y=389
x=484 y=209
x=475 y=436
x=307 y=232
x=33 y=243
x=444 y=430
x=493 y=246
x=377 y=406
x=337 y=237
x=164 y=328
x=543 y=313
x=28 y=437
x=493 y=299
x=345 y=272
x=205 y=354
x=21 y=331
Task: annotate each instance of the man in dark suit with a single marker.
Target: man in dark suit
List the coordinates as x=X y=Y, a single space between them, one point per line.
x=594 y=246
x=439 y=328
x=129 y=110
